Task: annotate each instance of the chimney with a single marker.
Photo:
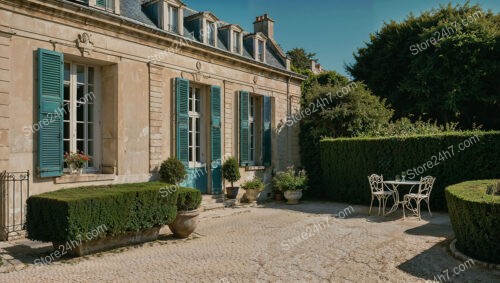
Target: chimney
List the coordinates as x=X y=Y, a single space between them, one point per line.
x=265 y=25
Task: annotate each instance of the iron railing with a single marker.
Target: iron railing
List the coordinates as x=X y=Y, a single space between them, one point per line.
x=14 y=190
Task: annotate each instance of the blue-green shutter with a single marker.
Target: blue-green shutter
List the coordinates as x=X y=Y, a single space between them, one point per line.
x=182 y=110
x=50 y=99
x=244 y=129
x=266 y=131
x=216 y=136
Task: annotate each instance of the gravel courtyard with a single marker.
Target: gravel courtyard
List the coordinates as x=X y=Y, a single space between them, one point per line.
x=270 y=243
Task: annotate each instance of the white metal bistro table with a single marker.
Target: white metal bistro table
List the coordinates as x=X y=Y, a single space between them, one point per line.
x=393 y=187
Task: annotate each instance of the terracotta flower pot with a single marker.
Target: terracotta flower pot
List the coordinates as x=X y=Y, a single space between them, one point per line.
x=293 y=197
x=232 y=192
x=185 y=223
x=252 y=195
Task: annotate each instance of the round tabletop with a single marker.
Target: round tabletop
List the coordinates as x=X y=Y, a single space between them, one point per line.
x=409 y=183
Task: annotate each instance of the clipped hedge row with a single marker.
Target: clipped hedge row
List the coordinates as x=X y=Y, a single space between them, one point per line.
x=475 y=217
x=188 y=199
x=346 y=162
x=68 y=214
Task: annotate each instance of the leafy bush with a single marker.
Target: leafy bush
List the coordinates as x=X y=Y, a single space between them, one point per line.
x=475 y=217
x=188 y=199
x=346 y=162
x=67 y=214
x=405 y=127
x=255 y=184
x=290 y=180
x=172 y=171
x=231 y=170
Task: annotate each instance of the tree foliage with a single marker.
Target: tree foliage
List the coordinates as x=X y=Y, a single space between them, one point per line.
x=301 y=60
x=343 y=109
x=441 y=65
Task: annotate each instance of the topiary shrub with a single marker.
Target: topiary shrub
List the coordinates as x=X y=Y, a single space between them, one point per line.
x=66 y=215
x=172 y=171
x=475 y=217
x=231 y=170
x=188 y=199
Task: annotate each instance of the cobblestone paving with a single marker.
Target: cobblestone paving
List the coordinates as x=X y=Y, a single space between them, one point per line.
x=254 y=247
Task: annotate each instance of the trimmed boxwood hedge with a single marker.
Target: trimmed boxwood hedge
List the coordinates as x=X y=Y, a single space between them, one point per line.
x=346 y=163
x=188 y=199
x=68 y=214
x=475 y=217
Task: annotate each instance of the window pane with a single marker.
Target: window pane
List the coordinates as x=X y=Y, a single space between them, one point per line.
x=80 y=112
x=90 y=148
x=198 y=138
x=191 y=154
x=198 y=154
x=91 y=75
x=90 y=131
x=90 y=109
x=197 y=125
x=80 y=146
x=80 y=131
x=197 y=105
x=190 y=139
x=66 y=71
x=66 y=92
x=80 y=92
x=66 y=146
x=90 y=95
x=66 y=111
x=80 y=74
x=66 y=130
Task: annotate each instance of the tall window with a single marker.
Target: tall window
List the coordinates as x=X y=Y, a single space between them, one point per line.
x=251 y=126
x=260 y=50
x=173 y=18
x=210 y=32
x=194 y=126
x=80 y=123
x=236 y=42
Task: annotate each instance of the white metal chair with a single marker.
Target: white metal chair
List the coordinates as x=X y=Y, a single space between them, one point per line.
x=377 y=189
x=424 y=193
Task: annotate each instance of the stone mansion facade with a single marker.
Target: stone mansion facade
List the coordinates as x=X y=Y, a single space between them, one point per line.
x=131 y=83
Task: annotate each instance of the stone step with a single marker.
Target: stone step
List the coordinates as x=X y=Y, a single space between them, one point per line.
x=211 y=199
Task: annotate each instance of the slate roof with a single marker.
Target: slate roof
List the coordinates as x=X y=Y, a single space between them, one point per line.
x=132 y=9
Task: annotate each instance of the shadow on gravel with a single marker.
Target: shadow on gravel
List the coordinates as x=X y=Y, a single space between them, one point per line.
x=351 y=210
x=430 y=229
x=437 y=265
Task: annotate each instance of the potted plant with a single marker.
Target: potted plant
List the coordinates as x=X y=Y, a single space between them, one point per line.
x=172 y=171
x=253 y=188
x=76 y=161
x=188 y=202
x=292 y=183
x=231 y=172
x=278 y=195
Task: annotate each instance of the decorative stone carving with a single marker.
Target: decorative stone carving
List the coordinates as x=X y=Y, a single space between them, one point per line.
x=255 y=79
x=198 y=66
x=85 y=43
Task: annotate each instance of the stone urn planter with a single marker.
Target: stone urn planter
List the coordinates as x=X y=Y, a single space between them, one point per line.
x=232 y=192
x=293 y=197
x=185 y=223
x=252 y=194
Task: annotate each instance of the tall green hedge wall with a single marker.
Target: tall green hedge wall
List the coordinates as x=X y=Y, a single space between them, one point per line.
x=70 y=214
x=347 y=162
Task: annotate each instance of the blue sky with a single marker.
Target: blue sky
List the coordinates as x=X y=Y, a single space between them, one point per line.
x=333 y=29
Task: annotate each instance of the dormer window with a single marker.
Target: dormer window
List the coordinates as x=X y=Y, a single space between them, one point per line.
x=261 y=51
x=210 y=33
x=173 y=19
x=106 y=4
x=236 y=42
